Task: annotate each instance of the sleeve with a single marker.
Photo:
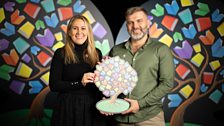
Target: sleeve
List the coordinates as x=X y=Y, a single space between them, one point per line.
x=166 y=78
x=99 y=54
x=56 y=83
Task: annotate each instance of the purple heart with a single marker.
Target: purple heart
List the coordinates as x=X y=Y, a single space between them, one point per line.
x=4 y=44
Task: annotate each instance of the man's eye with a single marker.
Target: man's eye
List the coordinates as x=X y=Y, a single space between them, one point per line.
x=128 y=23
x=139 y=21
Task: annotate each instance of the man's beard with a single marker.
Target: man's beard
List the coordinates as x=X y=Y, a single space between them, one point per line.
x=139 y=36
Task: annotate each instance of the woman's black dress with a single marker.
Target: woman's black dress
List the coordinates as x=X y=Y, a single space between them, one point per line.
x=75 y=103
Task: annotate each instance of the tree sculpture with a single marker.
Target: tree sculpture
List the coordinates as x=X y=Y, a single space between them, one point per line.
x=113 y=77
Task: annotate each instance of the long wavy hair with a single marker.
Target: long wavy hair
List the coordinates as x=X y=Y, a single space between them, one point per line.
x=90 y=55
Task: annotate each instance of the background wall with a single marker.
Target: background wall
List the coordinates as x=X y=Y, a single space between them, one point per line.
x=197 y=97
x=113 y=12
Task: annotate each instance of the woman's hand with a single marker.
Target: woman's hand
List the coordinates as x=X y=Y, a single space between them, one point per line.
x=106 y=113
x=88 y=78
x=103 y=59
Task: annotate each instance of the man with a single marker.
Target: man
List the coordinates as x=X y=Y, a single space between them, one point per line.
x=153 y=62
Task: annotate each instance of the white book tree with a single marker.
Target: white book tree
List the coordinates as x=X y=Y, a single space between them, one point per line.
x=113 y=77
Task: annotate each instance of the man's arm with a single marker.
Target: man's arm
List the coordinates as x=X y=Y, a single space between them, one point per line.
x=166 y=78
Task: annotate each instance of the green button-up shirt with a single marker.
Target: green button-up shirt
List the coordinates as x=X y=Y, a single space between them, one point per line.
x=155 y=68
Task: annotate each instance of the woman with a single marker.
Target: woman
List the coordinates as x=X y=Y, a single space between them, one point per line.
x=71 y=75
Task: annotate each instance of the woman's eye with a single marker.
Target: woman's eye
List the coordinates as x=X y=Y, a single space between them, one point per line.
x=74 y=28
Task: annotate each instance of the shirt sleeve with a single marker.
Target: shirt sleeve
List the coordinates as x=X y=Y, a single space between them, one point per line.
x=166 y=78
x=56 y=83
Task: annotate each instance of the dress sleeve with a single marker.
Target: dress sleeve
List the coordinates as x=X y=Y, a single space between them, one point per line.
x=111 y=53
x=56 y=83
x=99 y=54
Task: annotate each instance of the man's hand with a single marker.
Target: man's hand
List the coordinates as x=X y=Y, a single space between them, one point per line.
x=134 y=106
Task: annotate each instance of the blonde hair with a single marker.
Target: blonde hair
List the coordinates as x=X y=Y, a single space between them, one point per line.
x=90 y=55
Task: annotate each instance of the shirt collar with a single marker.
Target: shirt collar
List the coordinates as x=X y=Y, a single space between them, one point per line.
x=128 y=43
